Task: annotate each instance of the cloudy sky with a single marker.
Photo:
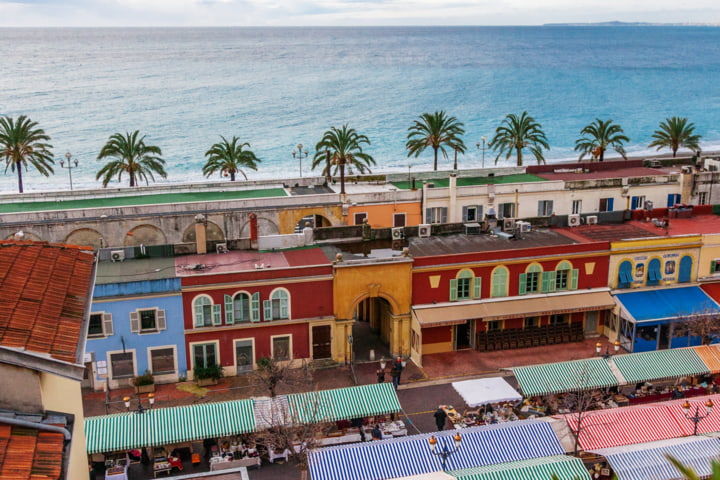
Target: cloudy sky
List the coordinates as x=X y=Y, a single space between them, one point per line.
x=348 y=12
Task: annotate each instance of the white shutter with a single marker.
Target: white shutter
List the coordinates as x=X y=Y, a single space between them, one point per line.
x=107 y=323
x=134 y=322
x=161 y=322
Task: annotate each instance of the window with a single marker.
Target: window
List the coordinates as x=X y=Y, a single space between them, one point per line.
x=653 y=272
x=281 y=348
x=122 y=365
x=162 y=360
x=242 y=308
x=545 y=208
x=625 y=274
x=436 y=215
x=606 y=204
x=499 y=282
x=531 y=322
x=466 y=285
x=566 y=278
x=472 y=213
x=398 y=219
x=715 y=266
x=702 y=198
x=205 y=313
x=530 y=280
x=244 y=356
x=100 y=325
x=204 y=355
x=576 y=207
x=637 y=203
x=673 y=199
x=685 y=273
x=278 y=307
x=558 y=319
x=494 y=325
x=149 y=320
x=360 y=218
x=506 y=210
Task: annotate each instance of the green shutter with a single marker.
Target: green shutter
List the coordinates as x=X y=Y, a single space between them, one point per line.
x=199 y=316
x=134 y=322
x=267 y=310
x=544 y=287
x=522 y=284
x=255 y=307
x=574 y=279
x=217 y=314
x=713 y=266
x=229 y=314
x=552 y=278
x=284 y=310
x=477 y=282
x=453 y=290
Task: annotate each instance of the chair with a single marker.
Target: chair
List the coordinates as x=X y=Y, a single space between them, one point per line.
x=566 y=334
x=491 y=341
x=504 y=341
x=480 y=342
x=512 y=339
x=542 y=335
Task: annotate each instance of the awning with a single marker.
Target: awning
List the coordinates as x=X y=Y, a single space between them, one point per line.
x=406 y=456
x=563 y=467
x=709 y=424
x=660 y=364
x=560 y=377
x=428 y=476
x=667 y=303
x=344 y=403
x=164 y=426
x=513 y=307
x=486 y=390
x=652 y=464
x=710 y=355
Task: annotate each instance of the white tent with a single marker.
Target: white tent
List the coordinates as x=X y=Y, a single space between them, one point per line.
x=486 y=390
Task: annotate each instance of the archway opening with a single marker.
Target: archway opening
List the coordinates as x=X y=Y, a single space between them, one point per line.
x=372 y=330
x=313 y=221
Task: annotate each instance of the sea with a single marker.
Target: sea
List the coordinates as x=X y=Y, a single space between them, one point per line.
x=275 y=88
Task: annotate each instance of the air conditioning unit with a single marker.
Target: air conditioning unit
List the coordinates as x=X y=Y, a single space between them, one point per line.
x=221 y=248
x=117 y=255
x=591 y=219
x=398 y=233
x=574 y=220
x=523 y=227
x=424 y=230
x=397 y=244
x=508 y=224
x=626 y=190
x=345 y=209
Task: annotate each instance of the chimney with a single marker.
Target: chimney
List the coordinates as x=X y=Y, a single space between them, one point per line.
x=200 y=233
x=253 y=231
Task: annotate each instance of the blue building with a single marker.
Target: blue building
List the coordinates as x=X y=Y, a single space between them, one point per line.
x=136 y=324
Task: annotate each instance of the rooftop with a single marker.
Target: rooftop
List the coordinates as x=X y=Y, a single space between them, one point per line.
x=454 y=244
x=28 y=453
x=135 y=270
x=244 y=260
x=471 y=181
x=610 y=232
x=566 y=175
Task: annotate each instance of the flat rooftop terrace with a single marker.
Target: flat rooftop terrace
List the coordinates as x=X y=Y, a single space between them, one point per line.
x=443 y=182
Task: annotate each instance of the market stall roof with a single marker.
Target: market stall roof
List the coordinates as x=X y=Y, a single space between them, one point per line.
x=709 y=424
x=482 y=391
x=660 y=364
x=406 y=456
x=710 y=355
x=652 y=463
x=428 y=476
x=344 y=403
x=562 y=466
x=667 y=303
x=569 y=376
x=163 y=426
x=498 y=309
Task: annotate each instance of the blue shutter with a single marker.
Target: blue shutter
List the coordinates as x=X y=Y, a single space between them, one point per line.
x=453 y=289
x=610 y=204
x=428 y=215
x=229 y=314
x=522 y=285
x=255 y=307
x=267 y=310
x=443 y=215
x=634 y=203
x=685 y=273
x=477 y=282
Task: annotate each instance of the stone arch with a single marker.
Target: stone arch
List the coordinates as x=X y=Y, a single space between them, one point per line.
x=314 y=219
x=394 y=306
x=144 y=235
x=213 y=233
x=265 y=227
x=86 y=237
x=26 y=236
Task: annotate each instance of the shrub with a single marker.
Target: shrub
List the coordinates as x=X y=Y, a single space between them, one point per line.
x=211 y=371
x=144 y=379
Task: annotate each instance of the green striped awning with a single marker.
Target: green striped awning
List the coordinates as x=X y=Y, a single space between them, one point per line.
x=543 y=468
x=564 y=376
x=164 y=426
x=344 y=403
x=660 y=364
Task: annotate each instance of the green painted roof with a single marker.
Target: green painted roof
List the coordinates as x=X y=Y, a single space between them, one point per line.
x=344 y=403
x=660 y=364
x=472 y=181
x=163 y=426
x=564 y=376
x=157 y=199
x=564 y=467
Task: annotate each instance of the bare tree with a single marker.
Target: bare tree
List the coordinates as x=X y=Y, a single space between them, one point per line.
x=274 y=375
x=703 y=323
x=579 y=402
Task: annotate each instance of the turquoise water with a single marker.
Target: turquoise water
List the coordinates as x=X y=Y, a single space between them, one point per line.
x=276 y=87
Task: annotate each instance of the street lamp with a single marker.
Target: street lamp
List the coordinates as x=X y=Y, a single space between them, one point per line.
x=69 y=166
x=299 y=153
x=697 y=417
x=482 y=145
x=607 y=354
x=443 y=452
x=140 y=408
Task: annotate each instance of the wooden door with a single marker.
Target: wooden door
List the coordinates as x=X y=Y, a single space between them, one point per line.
x=321 y=338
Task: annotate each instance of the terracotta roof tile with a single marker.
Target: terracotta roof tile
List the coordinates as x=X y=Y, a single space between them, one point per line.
x=27 y=453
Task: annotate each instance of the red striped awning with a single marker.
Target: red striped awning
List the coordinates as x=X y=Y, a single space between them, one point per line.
x=697 y=404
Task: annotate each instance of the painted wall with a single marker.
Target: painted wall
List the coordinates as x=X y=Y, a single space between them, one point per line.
x=709 y=252
x=382 y=215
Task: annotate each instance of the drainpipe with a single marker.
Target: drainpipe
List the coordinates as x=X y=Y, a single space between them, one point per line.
x=37 y=426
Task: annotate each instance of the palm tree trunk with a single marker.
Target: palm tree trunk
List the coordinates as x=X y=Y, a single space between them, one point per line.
x=602 y=155
x=435 y=164
x=132 y=180
x=519 y=157
x=20 y=184
x=342 y=177
x=232 y=176
x=675 y=149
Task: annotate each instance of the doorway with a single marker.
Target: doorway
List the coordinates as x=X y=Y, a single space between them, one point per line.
x=244 y=356
x=591 y=324
x=321 y=342
x=372 y=330
x=464 y=335
x=664 y=336
x=88 y=376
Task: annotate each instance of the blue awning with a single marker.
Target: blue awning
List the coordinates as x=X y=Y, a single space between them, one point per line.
x=652 y=464
x=667 y=303
x=402 y=457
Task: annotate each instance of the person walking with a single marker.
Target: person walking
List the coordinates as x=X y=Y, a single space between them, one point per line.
x=395 y=374
x=398 y=363
x=440 y=418
x=380 y=375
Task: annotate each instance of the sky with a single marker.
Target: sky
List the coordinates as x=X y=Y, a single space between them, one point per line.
x=187 y=13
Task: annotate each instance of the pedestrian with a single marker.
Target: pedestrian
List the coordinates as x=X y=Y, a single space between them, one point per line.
x=440 y=418
x=395 y=374
x=358 y=423
x=380 y=375
x=376 y=433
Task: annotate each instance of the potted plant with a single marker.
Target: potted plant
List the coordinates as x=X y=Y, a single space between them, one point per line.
x=144 y=383
x=208 y=375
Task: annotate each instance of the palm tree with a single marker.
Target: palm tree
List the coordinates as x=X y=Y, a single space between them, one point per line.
x=343 y=147
x=690 y=474
x=435 y=130
x=517 y=133
x=676 y=132
x=598 y=137
x=22 y=142
x=228 y=158
x=132 y=156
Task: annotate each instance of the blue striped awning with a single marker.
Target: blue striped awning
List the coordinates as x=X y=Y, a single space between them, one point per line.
x=344 y=403
x=402 y=457
x=561 y=466
x=164 y=426
x=652 y=464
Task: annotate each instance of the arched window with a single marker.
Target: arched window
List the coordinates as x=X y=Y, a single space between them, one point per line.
x=566 y=277
x=653 y=272
x=530 y=280
x=242 y=308
x=499 y=282
x=625 y=274
x=205 y=313
x=685 y=273
x=278 y=307
x=465 y=286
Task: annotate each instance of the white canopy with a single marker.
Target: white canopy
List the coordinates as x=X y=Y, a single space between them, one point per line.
x=486 y=390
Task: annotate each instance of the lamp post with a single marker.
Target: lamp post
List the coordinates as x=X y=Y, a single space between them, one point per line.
x=607 y=354
x=299 y=153
x=698 y=416
x=140 y=408
x=69 y=166
x=482 y=145
x=443 y=451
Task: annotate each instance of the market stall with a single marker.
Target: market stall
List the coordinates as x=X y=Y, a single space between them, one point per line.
x=482 y=391
x=560 y=466
x=560 y=377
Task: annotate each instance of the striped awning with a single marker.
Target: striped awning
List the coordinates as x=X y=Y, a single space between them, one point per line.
x=563 y=467
x=406 y=456
x=164 y=426
x=565 y=376
x=710 y=355
x=344 y=403
x=652 y=464
x=710 y=424
x=660 y=364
